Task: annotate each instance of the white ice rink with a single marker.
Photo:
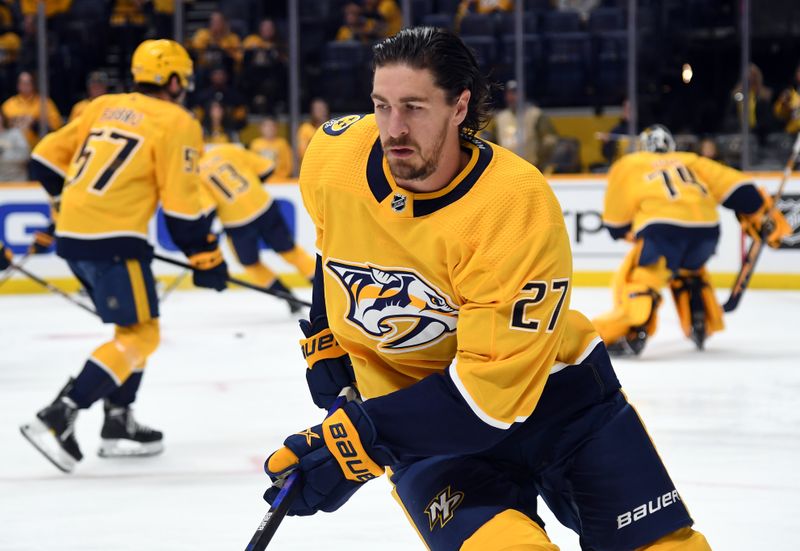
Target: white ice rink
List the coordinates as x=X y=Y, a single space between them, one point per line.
x=227 y=385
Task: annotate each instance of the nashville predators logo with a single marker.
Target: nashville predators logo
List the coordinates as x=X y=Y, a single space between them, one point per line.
x=334 y=127
x=442 y=508
x=395 y=306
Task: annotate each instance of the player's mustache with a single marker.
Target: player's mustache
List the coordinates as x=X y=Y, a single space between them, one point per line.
x=399 y=142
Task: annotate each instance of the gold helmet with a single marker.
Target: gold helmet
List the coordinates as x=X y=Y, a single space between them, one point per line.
x=154 y=61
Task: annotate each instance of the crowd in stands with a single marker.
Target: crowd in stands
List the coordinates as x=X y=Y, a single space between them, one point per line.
x=575 y=52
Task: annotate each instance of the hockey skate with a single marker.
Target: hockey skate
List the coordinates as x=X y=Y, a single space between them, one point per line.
x=52 y=432
x=630 y=345
x=122 y=436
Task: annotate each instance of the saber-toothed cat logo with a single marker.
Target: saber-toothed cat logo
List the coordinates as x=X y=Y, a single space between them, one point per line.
x=395 y=305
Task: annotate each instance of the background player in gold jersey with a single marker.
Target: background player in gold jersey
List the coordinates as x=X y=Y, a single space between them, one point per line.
x=127 y=152
x=666 y=203
x=444 y=277
x=235 y=176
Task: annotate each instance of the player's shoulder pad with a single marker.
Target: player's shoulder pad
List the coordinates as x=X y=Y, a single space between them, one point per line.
x=339 y=125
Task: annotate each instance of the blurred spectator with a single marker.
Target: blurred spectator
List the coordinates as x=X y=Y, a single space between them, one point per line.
x=10 y=45
x=708 y=148
x=759 y=104
x=14 y=153
x=217 y=128
x=538 y=135
x=386 y=14
x=96 y=85
x=264 y=69
x=163 y=17
x=217 y=45
x=53 y=11
x=23 y=110
x=481 y=7
x=221 y=92
x=614 y=142
x=275 y=148
x=319 y=115
x=127 y=28
x=787 y=107
x=356 y=26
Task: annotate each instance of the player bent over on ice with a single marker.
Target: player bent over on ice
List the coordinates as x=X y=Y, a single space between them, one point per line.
x=128 y=153
x=234 y=177
x=666 y=203
x=444 y=275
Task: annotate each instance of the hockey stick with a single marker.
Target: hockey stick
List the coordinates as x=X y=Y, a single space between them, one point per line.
x=174 y=285
x=289 y=490
x=749 y=262
x=235 y=281
x=53 y=289
x=12 y=267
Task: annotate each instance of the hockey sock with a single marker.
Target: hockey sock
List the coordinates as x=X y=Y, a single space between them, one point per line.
x=93 y=383
x=126 y=394
x=300 y=259
x=260 y=274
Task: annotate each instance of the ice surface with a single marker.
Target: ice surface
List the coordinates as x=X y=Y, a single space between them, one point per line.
x=227 y=385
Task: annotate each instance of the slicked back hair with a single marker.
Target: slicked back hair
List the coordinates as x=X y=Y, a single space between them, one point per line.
x=451 y=62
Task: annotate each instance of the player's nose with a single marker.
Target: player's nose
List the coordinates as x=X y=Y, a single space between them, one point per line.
x=397 y=124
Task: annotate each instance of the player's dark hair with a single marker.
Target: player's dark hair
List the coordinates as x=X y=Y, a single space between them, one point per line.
x=452 y=63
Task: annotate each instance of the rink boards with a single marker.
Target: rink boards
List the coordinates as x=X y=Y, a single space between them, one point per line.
x=24 y=210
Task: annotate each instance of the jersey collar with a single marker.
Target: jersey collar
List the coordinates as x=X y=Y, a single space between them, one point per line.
x=409 y=204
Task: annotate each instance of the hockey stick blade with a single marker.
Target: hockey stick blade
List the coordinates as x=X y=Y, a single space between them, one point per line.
x=291 y=487
x=745 y=273
x=239 y=282
x=749 y=262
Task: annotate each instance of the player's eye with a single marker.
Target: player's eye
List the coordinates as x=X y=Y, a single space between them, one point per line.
x=381 y=107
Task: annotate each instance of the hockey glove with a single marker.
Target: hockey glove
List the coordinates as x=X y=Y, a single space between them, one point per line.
x=329 y=368
x=334 y=460
x=768 y=220
x=209 y=269
x=43 y=240
x=5 y=257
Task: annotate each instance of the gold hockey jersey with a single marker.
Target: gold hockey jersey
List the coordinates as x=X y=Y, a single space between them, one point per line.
x=234 y=177
x=128 y=152
x=475 y=276
x=681 y=189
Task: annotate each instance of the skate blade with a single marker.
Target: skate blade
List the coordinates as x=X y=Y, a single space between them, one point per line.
x=128 y=448
x=46 y=442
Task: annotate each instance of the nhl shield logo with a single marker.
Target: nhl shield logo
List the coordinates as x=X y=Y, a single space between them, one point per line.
x=399 y=202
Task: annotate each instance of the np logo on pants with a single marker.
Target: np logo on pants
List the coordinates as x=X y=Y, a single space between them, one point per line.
x=442 y=508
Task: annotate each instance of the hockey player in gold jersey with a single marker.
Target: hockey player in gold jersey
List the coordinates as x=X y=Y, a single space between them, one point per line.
x=235 y=176
x=442 y=291
x=665 y=202
x=108 y=169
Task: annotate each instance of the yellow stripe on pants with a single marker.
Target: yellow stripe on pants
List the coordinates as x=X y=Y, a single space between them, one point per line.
x=139 y=290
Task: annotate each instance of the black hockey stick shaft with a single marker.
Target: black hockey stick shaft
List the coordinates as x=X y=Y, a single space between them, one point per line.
x=174 y=285
x=21 y=262
x=291 y=487
x=279 y=294
x=52 y=288
x=754 y=252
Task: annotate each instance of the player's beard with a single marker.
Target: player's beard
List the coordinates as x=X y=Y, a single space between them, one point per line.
x=407 y=169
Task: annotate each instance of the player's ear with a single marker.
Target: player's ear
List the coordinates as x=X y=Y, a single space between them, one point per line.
x=462 y=107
